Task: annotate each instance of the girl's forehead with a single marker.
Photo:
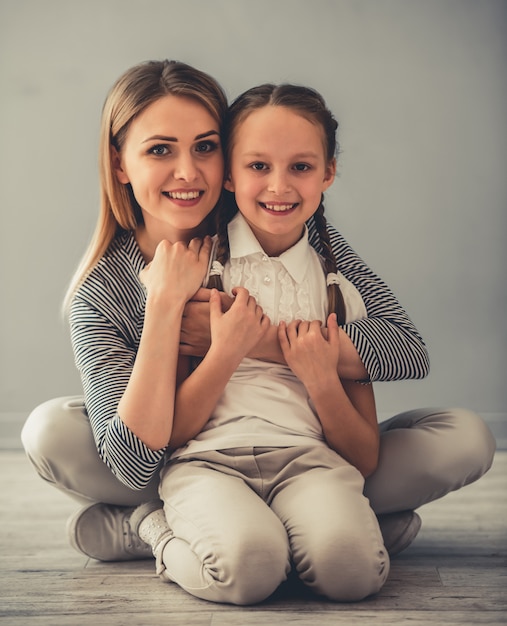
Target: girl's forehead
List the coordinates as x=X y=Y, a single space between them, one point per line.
x=275 y=124
x=278 y=117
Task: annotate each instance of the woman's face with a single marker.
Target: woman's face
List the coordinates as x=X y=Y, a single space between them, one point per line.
x=173 y=160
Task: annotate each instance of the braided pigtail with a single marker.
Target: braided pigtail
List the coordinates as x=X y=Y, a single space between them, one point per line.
x=334 y=294
x=223 y=218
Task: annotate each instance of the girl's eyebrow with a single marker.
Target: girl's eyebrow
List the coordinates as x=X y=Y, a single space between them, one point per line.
x=208 y=133
x=301 y=155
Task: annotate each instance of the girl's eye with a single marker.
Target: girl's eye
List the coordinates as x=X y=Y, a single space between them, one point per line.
x=258 y=167
x=206 y=146
x=159 y=150
x=301 y=167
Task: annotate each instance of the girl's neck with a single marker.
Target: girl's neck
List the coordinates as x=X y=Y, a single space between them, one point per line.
x=275 y=245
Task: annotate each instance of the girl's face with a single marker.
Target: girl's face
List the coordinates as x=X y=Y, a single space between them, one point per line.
x=173 y=160
x=278 y=173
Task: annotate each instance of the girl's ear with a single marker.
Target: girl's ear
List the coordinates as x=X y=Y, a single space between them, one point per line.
x=228 y=184
x=329 y=175
x=121 y=175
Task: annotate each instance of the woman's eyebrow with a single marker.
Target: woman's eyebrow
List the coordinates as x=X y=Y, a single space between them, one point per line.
x=208 y=133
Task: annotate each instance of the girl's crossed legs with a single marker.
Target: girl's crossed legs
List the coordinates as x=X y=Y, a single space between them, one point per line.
x=239 y=517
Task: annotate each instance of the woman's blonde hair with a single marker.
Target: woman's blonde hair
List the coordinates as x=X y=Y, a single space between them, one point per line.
x=135 y=90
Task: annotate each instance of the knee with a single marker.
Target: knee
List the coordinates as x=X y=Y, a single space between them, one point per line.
x=348 y=568
x=473 y=444
x=254 y=569
x=46 y=431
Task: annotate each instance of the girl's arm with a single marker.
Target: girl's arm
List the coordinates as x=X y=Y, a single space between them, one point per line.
x=346 y=411
x=233 y=334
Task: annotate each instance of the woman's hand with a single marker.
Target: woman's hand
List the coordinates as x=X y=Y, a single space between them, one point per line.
x=235 y=332
x=311 y=356
x=176 y=271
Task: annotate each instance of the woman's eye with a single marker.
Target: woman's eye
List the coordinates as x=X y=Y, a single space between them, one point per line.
x=206 y=146
x=159 y=150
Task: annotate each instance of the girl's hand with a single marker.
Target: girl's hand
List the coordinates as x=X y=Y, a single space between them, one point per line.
x=176 y=271
x=312 y=357
x=195 y=337
x=235 y=332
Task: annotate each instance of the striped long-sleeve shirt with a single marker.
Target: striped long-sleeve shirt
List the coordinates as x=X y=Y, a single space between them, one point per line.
x=106 y=321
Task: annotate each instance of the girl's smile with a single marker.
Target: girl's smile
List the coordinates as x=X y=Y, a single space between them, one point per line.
x=278 y=173
x=278 y=207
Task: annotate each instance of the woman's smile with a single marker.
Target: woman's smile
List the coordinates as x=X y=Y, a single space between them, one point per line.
x=184 y=198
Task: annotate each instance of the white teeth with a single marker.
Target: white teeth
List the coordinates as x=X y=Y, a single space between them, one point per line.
x=278 y=207
x=183 y=195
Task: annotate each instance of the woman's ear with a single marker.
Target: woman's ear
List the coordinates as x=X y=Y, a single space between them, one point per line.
x=329 y=175
x=117 y=167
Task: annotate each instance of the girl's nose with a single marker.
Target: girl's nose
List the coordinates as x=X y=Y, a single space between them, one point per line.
x=279 y=183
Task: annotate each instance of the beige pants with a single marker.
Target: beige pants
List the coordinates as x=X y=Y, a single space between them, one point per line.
x=424 y=454
x=242 y=517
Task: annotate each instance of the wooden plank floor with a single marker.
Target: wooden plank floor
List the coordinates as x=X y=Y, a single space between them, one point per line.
x=455 y=573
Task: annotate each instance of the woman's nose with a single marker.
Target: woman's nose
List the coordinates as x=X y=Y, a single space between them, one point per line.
x=185 y=168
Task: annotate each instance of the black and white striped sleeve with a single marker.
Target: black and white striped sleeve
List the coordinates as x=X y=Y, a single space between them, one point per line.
x=387 y=341
x=104 y=354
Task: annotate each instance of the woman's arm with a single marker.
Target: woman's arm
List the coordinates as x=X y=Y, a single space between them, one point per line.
x=387 y=341
x=127 y=363
x=233 y=334
x=195 y=338
x=347 y=412
x=173 y=276
x=384 y=346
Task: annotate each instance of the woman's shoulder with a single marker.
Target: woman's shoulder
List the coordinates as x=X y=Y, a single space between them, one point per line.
x=115 y=277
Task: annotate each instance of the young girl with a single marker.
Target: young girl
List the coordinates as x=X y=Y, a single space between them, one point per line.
x=271 y=458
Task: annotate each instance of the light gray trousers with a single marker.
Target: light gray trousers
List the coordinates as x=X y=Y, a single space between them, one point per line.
x=424 y=454
x=241 y=518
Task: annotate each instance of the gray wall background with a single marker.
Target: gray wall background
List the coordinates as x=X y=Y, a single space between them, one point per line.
x=419 y=88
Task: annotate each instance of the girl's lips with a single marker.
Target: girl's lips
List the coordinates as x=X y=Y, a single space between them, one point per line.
x=275 y=207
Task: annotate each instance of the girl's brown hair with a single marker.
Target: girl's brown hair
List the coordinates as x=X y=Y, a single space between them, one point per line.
x=135 y=90
x=309 y=104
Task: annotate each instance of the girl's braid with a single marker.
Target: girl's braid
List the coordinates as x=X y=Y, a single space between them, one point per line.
x=222 y=253
x=335 y=297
